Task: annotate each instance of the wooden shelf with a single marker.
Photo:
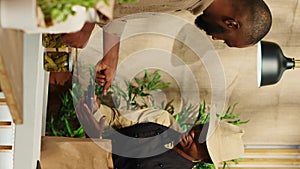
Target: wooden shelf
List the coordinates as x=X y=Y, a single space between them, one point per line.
x=11 y=72
x=272 y=151
x=269 y=158
x=5 y=148
x=5 y=124
x=3 y=101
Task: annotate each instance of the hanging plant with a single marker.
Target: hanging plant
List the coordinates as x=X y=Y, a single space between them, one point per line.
x=60 y=10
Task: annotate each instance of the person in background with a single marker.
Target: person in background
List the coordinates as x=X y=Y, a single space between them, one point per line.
x=237 y=23
x=157 y=145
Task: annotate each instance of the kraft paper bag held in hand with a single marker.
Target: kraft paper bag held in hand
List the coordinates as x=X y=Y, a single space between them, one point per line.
x=75 y=153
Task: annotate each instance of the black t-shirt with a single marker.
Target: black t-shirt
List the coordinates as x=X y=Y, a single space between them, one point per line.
x=145 y=148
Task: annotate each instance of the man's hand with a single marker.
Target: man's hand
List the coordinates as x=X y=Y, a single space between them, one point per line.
x=105 y=72
x=106 y=68
x=91 y=126
x=78 y=39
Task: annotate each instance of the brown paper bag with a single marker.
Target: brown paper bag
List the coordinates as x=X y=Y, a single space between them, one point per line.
x=75 y=153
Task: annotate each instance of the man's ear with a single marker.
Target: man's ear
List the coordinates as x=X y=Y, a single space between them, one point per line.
x=232 y=23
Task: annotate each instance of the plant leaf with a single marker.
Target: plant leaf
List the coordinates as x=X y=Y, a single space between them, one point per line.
x=67 y=125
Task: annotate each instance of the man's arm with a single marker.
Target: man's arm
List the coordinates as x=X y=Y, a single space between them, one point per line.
x=106 y=68
x=79 y=39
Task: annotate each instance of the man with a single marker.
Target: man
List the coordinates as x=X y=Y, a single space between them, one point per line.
x=152 y=145
x=238 y=23
x=227 y=20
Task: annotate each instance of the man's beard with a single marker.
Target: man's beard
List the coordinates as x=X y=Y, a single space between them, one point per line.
x=209 y=28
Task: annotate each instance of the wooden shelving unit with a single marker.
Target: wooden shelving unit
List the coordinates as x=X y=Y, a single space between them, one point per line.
x=11 y=72
x=24 y=84
x=7 y=129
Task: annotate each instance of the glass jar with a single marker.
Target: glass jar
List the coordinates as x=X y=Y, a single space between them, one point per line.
x=57 y=56
x=59 y=59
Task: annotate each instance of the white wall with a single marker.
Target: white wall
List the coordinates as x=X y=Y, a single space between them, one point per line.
x=28 y=135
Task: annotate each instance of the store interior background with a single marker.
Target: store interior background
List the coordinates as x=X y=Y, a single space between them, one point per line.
x=273 y=110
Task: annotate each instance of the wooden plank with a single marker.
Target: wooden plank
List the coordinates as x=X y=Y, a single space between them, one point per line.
x=11 y=71
x=5 y=148
x=2 y=101
x=5 y=124
x=274 y=161
x=269 y=157
x=272 y=151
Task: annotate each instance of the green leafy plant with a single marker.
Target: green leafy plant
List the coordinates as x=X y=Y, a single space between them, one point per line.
x=182 y=116
x=141 y=88
x=203 y=165
x=149 y=82
x=231 y=116
x=65 y=123
x=60 y=10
